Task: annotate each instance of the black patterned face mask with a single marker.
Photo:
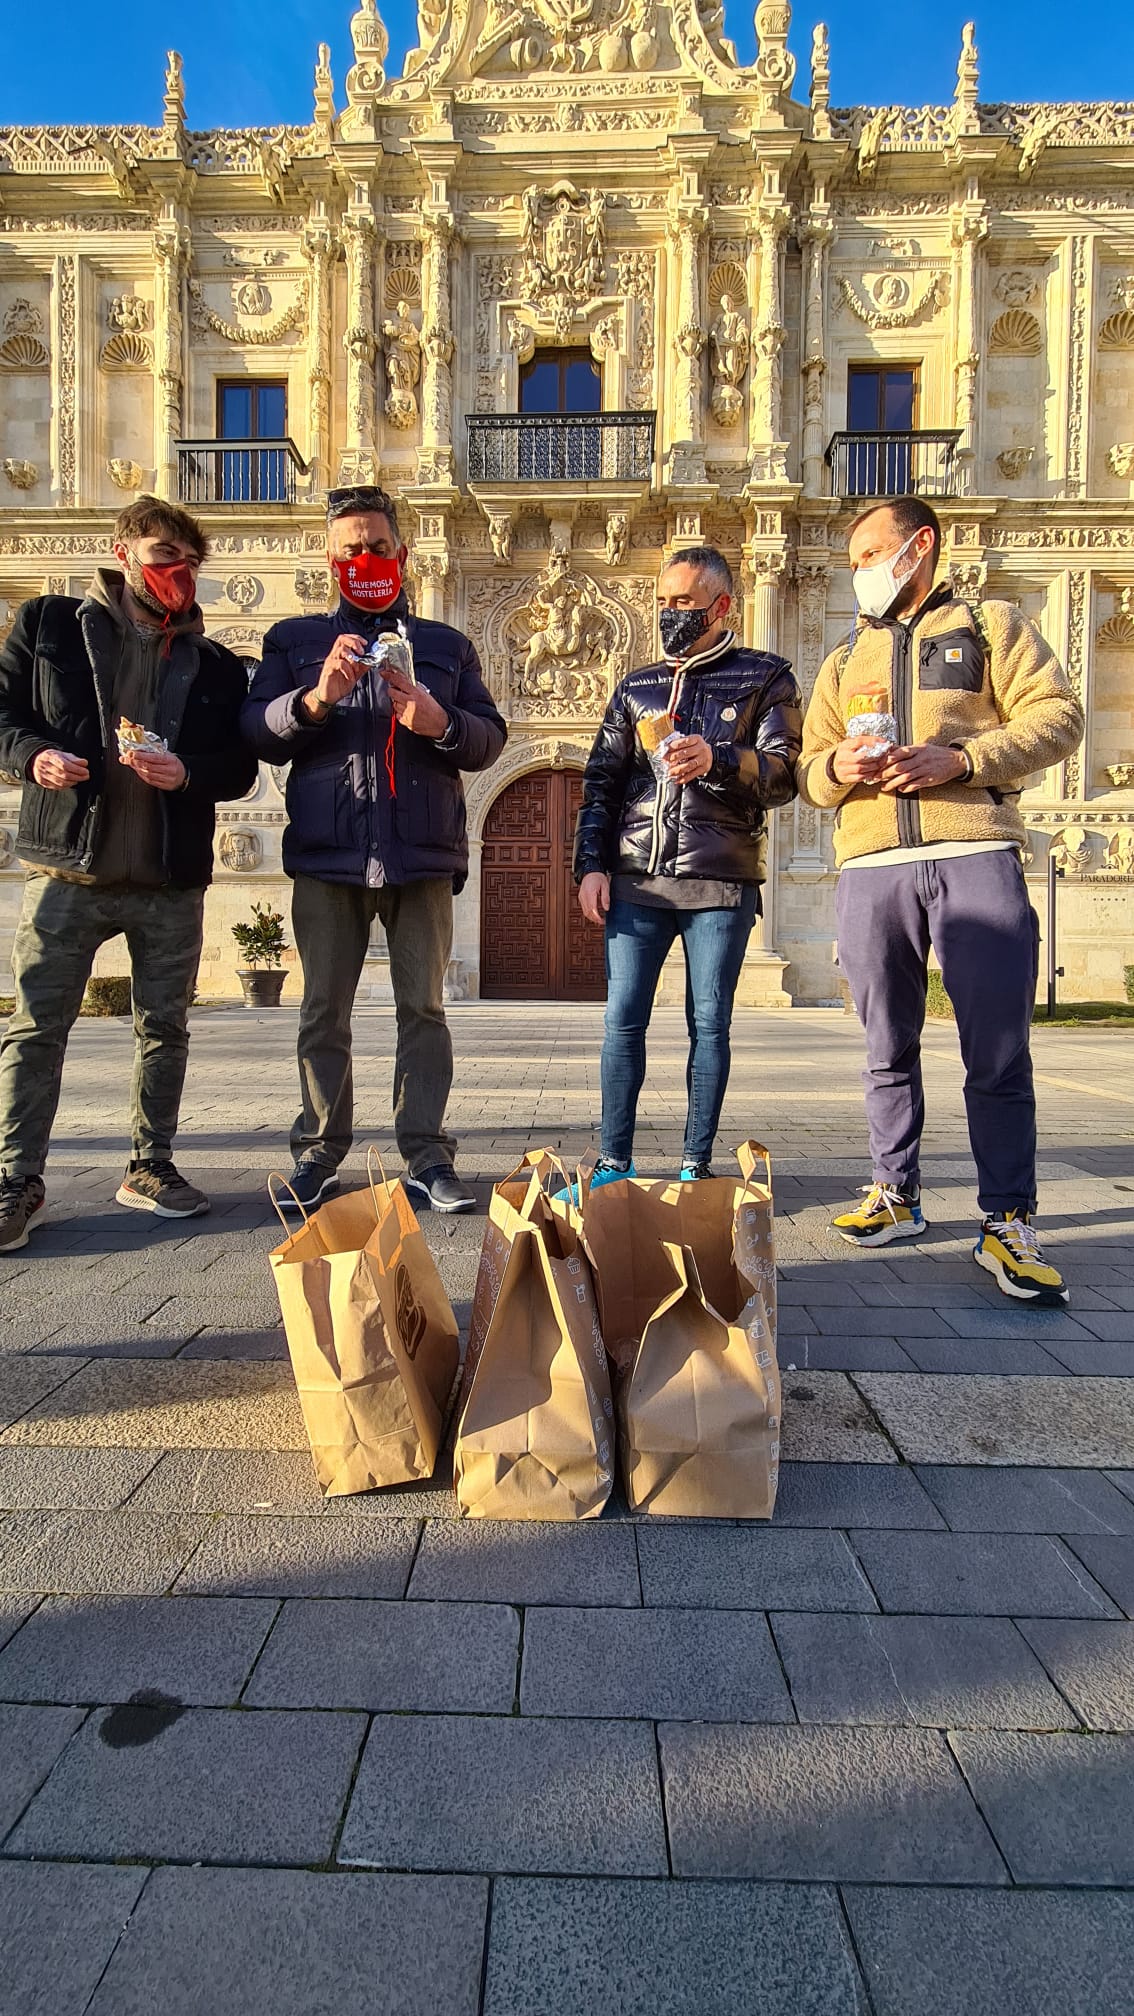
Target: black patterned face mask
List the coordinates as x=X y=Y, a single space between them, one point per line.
x=680 y=629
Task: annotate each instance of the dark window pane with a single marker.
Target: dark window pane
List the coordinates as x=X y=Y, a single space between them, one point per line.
x=862 y=401
x=236 y=412
x=271 y=417
x=583 y=387
x=898 y=401
x=539 y=386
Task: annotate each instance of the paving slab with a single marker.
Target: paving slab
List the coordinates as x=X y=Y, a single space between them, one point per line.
x=1111 y=1562
x=527 y=1561
x=994 y=1952
x=660 y=1665
x=1093 y=1665
x=853 y=1494
x=821 y=1805
x=269 y=1942
x=1011 y=1322
x=1012 y=1358
x=843 y=1354
x=406 y=1658
x=268 y=1556
x=14 y=1611
x=209 y=1786
x=930 y=1672
x=175 y=1404
x=280 y=1481
x=198 y=1651
x=976 y=1500
x=1112 y=1327
x=667 y=1949
x=1059 y=1806
x=507 y=1794
x=24 y=1382
x=31 y=1739
x=96 y=1553
x=826 y=1421
x=55 y=1480
x=978 y=1575
x=1080 y=1423
x=716 y=1567
x=59 y=1925
x=223 y=1341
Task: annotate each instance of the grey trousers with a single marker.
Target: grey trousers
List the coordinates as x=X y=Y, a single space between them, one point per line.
x=976 y=914
x=62 y=925
x=332 y=923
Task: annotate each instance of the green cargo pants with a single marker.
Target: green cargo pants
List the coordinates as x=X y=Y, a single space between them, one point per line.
x=62 y=925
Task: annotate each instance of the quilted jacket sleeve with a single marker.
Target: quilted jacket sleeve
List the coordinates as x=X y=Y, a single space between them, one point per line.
x=761 y=774
x=604 y=789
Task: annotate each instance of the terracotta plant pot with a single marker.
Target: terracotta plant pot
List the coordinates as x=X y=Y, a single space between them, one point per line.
x=262 y=986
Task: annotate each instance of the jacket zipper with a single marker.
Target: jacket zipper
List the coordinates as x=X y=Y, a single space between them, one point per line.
x=908 y=808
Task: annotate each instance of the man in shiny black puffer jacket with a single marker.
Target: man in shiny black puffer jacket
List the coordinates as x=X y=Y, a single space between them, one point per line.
x=671 y=842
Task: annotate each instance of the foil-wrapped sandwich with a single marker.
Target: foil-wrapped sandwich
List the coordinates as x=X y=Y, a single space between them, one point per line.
x=867 y=715
x=654 y=730
x=131 y=736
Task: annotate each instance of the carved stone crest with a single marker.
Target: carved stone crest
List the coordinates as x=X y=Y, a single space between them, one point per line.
x=251 y=298
x=564 y=235
x=23 y=347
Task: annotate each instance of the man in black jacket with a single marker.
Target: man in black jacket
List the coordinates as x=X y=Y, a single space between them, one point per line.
x=670 y=841
x=377 y=829
x=117 y=836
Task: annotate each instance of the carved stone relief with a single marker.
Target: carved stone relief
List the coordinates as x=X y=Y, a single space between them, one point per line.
x=1120 y=459
x=21 y=475
x=564 y=235
x=401 y=343
x=239 y=850
x=206 y=320
x=894 y=300
x=1016 y=333
x=23 y=347
x=1012 y=462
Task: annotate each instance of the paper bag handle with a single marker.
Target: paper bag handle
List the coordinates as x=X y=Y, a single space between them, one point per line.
x=373 y=1156
x=749 y=1155
x=275 y=1177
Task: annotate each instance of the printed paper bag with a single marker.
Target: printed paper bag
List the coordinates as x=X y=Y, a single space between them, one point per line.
x=372 y=1337
x=535 y=1439
x=696 y=1383
x=508 y=1205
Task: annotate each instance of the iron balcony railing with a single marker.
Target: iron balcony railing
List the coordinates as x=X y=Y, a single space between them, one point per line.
x=238 y=472
x=561 y=447
x=918 y=464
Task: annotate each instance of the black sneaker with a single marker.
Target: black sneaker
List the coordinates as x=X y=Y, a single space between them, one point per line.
x=695 y=1172
x=156 y=1186
x=311 y=1180
x=441 y=1188
x=20 y=1199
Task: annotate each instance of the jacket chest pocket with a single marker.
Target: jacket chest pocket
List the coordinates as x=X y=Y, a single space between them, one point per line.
x=951 y=663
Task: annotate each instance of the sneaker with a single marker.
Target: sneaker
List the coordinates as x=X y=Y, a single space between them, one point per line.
x=441 y=1188
x=311 y=1180
x=604 y=1171
x=694 y=1172
x=1009 y=1250
x=887 y=1214
x=20 y=1199
x=156 y=1186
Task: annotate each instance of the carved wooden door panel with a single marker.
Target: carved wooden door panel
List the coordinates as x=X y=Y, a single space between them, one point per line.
x=535 y=945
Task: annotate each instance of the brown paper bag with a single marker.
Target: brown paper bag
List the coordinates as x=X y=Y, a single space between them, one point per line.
x=686 y=1282
x=372 y=1337
x=536 y=1435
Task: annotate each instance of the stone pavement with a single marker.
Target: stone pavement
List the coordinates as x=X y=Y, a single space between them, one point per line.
x=267 y=1754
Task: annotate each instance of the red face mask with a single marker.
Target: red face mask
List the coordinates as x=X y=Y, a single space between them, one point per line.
x=368 y=580
x=171 y=586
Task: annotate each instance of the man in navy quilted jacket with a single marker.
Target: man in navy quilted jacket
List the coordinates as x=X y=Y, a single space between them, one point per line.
x=376 y=829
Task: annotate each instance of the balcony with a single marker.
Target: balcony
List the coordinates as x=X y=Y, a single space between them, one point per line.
x=572 y=448
x=916 y=464
x=238 y=472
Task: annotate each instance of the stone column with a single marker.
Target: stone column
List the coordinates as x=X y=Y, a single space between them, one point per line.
x=431 y=571
x=687 y=455
x=64 y=379
x=435 y=456
x=769 y=453
x=970 y=227
x=1080 y=267
x=761 y=577
x=171 y=251
x=319 y=250
x=812 y=579
x=818 y=234
x=359 y=463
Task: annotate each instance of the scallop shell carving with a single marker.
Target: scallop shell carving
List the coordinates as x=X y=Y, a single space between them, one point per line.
x=23 y=353
x=1016 y=331
x=126 y=350
x=403 y=283
x=1117 y=332
x=727 y=279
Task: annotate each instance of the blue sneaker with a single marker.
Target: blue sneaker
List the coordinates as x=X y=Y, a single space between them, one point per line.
x=694 y=1172
x=604 y=1172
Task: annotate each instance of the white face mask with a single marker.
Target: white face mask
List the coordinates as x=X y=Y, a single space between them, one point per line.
x=876 y=588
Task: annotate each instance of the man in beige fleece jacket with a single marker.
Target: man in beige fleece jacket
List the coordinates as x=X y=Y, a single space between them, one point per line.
x=972 y=703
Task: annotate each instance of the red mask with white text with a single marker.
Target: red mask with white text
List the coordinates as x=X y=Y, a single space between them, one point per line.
x=369 y=580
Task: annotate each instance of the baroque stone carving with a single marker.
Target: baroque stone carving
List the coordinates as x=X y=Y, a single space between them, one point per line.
x=1016 y=333
x=206 y=319
x=892 y=301
x=127 y=348
x=1121 y=775
x=1118 y=630
x=251 y=298
x=1119 y=857
x=240 y=850
x=617 y=531
x=402 y=345
x=1012 y=462
x=728 y=338
x=1120 y=458
x=1016 y=286
x=21 y=475
x=564 y=232
x=7 y=847
x=124 y=474
x=312 y=586
x=23 y=347
x=500 y=532
x=1073 y=850
x=243 y=590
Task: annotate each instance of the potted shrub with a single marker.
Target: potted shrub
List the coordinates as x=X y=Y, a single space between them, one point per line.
x=263 y=944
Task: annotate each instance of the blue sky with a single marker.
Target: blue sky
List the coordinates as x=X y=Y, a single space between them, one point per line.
x=247 y=63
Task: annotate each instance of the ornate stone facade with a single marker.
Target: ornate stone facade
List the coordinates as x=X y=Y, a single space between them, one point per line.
x=725 y=246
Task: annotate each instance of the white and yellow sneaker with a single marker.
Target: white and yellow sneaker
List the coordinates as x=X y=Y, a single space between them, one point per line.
x=887 y=1214
x=1009 y=1250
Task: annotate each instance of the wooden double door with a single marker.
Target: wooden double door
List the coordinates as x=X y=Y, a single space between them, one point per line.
x=535 y=944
